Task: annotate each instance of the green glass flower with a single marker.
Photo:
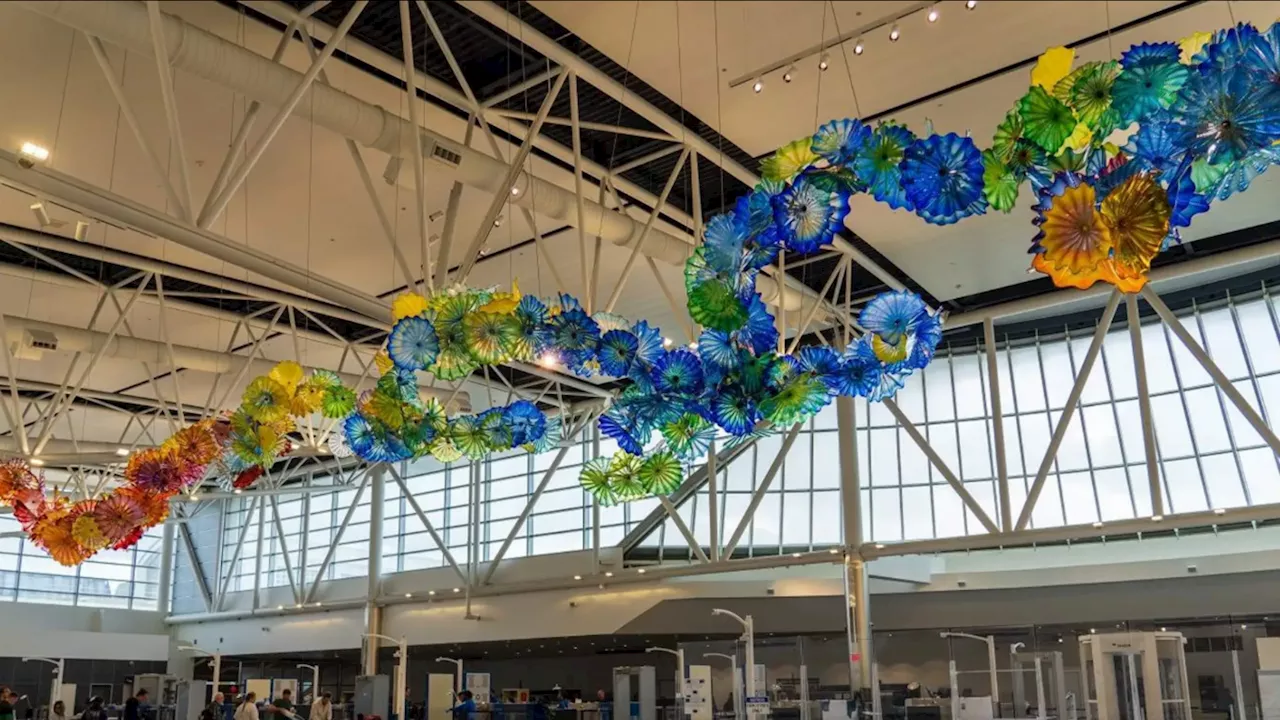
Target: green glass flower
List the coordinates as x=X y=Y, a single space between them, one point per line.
x=624 y=476
x=489 y=336
x=595 y=479
x=338 y=402
x=1090 y=96
x=715 y=304
x=660 y=473
x=999 y=183
x=1047 y=121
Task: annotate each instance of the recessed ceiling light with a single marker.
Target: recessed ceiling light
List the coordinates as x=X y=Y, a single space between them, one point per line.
x=515 y=190
x=122 y=452
x=408 y=595
x=608 y=574
x=237 y=491
x=577 y=577
x=641 y=571
x=970 y=4
x=279 y=607
x=431 y=592
x=37 y=462
x=456 y=590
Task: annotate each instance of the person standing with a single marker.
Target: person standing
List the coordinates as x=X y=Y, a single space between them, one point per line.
x=213 y=711
x=282 y=707
x=95 y=711
x=466 y=705
x=247 y=710
x=133 y=706
x=59 y=711
x=322 y=709
x=7 y=702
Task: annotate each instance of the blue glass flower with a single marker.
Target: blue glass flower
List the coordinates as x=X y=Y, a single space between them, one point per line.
x=1184 y=201
x=928 y=335
x=574 y=332
x=890 y=383
x=1227 y=113
x=1154 y=147
x=526 y=422
x=735 y=412
x=359 y=434
x=859 y=370
x=531 y=326
x=892 y=315
x=1264 y=55
x=808 y=215
x=678 y=372
x=1229 y=47
x=1219 y=181
x=761 y=249
x=755 y=210
x=839 y=141
x=1146 y=89
x=1150 y=54
x=879 y=164
x=413 y=344
x=821 y=361
x=498 y=434
x=648 y=344
x=760 y=332
x=716 y=350
x=942 y=176
x=617 y=352
x=372 y=441
x=722 y=243
x=1120 y=170
x=619 y=425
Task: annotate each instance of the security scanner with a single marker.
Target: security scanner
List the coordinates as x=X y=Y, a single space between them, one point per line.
x=1135 y=676
x=373 y=696
x=1049 y=678
x=645 y=705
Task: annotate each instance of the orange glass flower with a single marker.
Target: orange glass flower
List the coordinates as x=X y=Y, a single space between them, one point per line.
x=1076 y=240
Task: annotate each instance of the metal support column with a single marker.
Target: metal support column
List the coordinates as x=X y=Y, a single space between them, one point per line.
x=858 y=626
x=166 y=569
x=372 y=612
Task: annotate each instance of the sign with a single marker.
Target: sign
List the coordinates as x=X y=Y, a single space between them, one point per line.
x=855 y=657
x=757 y=707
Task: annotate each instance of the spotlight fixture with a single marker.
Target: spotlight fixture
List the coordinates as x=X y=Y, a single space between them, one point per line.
x=515 y=190
x=824 y=62
x=970 y=4
x=237 y=491
x=82 y=230
x=431 y=592
x=933 y=14
x=577 y=577
x=457 y=590
x=122 y=452
x=895 y=33
x=435 y=215
x=497 y=222
x=42 y=215
x=858 y=47
x=34 y=151
x=789 y=75
x=408 y=595
x=641 y=571
x=758 y=86
x=608 y=574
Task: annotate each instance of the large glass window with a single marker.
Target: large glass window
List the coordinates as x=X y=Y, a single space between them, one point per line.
x=1209 y=456
x=126 y=579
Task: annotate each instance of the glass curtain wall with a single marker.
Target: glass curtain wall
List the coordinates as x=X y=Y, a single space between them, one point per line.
x=127 y=579
x=560 y=522
x=1209 y=457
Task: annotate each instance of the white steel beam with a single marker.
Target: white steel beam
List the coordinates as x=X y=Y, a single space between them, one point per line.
x=1144 y=404
x=683 y=527
x=749 y=514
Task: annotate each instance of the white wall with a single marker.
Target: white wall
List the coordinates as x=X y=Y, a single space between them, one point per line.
x=82 y=633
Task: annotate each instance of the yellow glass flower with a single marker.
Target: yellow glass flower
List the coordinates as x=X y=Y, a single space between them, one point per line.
x=1192 y=44
x=887 y=352
x=504 y=303
x=1075 y=238
x=288 y=374
x=1079 y=139
x=789 y=160
x=1137 y=215
x=408 y=305
x=307 y=399
x=1052 y=66
x=86 y=532
x=382 y=361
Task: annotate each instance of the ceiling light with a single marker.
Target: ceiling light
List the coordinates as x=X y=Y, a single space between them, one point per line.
x=515 y=190
x=431 y=592
x=834 y=551
x=37 y=462
x=318 y=604
x=693 y=346
x=666 y=342
x=548 y=359
x=237 y=491
x=82 y=230
x=758 y=86
x=608 y=574
x=577 y=577
x=1244 y=627
x=1097 y=524
x=1219 y=511
x=879 y=546
x=456 y=590
x=641 y=571
x=895 y=33
x=279 y=607
x=497 y=222
x=436 y=215
x=34 y=151
x=193 y=497
x=858 y=47
x=1164 y=630
x=42 y=215
x=970 y=4
x=933 y=14
x=122 y=452
x=408 y=595
x=1157 y=518
x=795 y=555
x=824 y=62
x=789 y=75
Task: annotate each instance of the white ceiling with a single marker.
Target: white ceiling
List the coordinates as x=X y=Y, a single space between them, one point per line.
x=690 y=51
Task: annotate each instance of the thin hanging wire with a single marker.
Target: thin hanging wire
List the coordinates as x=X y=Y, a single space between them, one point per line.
x=1111 y=51
x=844 y=58
x=817 y=99
x=715 y=11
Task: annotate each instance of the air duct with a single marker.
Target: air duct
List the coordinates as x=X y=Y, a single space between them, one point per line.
x=208 y=56
x=19 y=333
